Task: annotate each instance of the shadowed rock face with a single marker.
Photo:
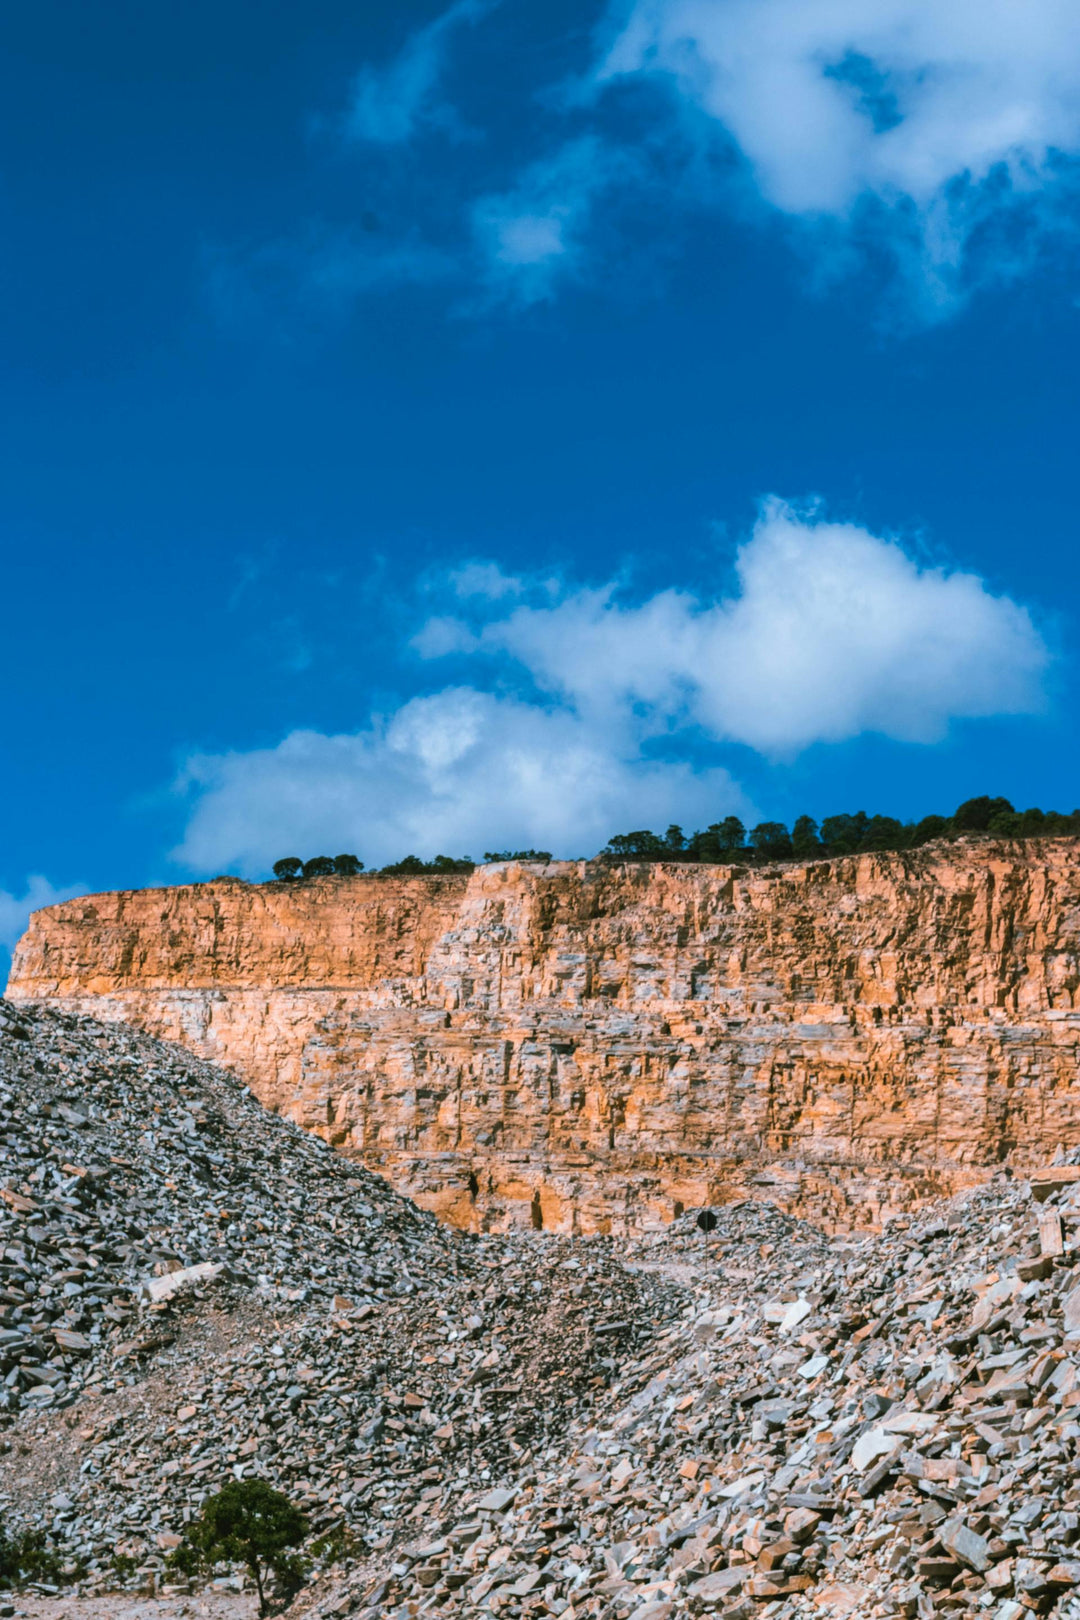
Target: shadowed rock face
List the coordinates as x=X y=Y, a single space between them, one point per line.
x=589 y=1047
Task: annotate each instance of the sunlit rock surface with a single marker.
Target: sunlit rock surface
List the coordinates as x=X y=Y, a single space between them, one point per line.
x=591 y=1047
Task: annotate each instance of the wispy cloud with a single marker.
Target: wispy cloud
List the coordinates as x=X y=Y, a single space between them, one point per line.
x=390 y=104
x=919 y=123
x=940 y=140
x=585 y=710
x=316 y=276
x=534 y=236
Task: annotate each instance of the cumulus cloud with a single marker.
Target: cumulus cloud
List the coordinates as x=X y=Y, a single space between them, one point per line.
x=455 y=773
x=609 y=711
x=833 y=632
x=15 y=909
x=389 y=104
x=534 y=236
x=943 y=115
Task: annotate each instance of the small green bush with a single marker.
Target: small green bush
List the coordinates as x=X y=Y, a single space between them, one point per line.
x=413 y=866
x=29 y=1556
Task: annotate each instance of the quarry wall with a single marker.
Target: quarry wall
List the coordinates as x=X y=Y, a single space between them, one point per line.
x=591 y=1047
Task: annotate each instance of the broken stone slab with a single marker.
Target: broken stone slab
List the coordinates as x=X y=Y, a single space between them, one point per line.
x=1010 y=1384
x=496 y=1501
x=910 y=1423
x=1051 y=1236
x=959 y=1539
x=997 y=1295
x=795 y=1314
x=721 y=1584
x=1054 y=1179
x=813 y=1368
x=801 y=1523
x=68 y=1339
x=1070 y=1312
x=874 y=1446
x=769 y=1586
x=838 y=1600
x=157 y=1289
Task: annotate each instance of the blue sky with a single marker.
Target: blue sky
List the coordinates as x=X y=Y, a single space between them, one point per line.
x=430 y=429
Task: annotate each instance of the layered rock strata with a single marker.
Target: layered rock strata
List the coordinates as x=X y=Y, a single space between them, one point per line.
x=589 y=1047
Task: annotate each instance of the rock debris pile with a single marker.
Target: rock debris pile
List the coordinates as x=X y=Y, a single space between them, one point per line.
x=869 y=1426
x=192 y=1289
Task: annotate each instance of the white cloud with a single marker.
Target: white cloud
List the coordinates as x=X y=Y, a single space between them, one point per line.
x=456 y=773
x=831 y=632
x=15 y=909
x=534 y=236
x=484 y=579
x=389 y=104
x=943 y=113
x=443 y=635
x=834 y=632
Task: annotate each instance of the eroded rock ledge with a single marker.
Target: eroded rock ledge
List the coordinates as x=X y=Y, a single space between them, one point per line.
x=591 y=1047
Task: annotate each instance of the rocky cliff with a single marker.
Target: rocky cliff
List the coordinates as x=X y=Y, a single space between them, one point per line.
x=589 y=1047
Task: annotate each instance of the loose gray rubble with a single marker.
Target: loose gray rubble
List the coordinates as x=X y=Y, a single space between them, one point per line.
x=192 y=1289
x=764 y=1421
x=867 y=1426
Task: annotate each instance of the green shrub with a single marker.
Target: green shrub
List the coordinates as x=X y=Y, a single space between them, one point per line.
x=412 y=865
x=247 y=1522
x=29 y=1556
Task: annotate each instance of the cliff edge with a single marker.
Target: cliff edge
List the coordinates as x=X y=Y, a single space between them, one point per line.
x=592 y=1047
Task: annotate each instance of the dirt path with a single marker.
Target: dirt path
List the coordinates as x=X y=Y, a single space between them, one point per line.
x=129 y=1606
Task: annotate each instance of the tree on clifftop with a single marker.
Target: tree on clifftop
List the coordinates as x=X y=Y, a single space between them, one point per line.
x=637 y=846
x=288 y=869
x=731 y=837
x=772 y=840
x=805 y=842
x=976 y=815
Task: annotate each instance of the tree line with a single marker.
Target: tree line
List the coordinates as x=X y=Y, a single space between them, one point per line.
x=291 y=868
x=726 y=841
x=848 y=834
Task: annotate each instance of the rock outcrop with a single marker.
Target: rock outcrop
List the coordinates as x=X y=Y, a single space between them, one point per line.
x=587 y=1047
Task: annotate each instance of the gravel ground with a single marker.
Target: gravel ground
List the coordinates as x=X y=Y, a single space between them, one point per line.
x=203 y=1606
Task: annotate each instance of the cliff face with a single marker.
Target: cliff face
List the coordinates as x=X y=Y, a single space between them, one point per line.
x=588 y=1047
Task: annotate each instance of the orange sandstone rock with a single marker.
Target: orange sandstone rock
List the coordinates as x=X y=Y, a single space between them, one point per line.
x=586 y=1047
